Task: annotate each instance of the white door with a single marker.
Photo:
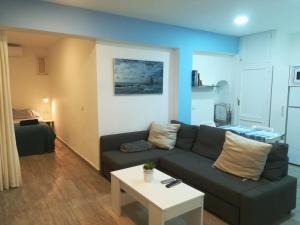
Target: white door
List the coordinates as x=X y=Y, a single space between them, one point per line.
x=255 y=95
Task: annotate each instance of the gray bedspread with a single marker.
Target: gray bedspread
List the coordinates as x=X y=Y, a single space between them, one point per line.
x=34 y=139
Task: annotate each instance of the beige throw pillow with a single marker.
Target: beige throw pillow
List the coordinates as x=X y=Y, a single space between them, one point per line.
x=243 y=157
x=163 y=136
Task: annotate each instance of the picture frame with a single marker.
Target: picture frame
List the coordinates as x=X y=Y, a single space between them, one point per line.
x=138 y=77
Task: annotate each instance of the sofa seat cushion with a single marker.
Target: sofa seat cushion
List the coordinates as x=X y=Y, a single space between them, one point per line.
x=198 y=171
x=117 y=159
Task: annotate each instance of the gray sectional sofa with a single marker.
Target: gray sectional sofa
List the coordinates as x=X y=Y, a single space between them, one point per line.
x=237 y=201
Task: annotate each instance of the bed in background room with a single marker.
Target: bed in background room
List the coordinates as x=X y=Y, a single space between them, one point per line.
x=32 y=139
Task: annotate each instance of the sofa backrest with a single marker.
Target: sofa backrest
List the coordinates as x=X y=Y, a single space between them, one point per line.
x=277 y=162
x=209 y=141
x=186 y=135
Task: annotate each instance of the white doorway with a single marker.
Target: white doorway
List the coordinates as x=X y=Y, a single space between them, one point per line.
x=254 y=98
x=217 y=73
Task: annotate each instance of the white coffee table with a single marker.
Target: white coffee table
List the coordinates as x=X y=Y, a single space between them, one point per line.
x=162 y=203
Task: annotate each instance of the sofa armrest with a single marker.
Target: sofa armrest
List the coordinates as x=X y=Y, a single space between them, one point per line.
x=114 y=141
x=267 y=204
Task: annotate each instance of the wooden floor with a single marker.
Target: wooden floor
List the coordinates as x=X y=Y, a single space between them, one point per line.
x=60 y=189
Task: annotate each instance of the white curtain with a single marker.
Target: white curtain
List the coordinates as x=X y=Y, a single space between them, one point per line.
x=10 y=174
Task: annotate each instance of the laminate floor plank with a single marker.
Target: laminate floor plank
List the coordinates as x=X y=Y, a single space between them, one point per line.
x=62 y=214
x=60 y=189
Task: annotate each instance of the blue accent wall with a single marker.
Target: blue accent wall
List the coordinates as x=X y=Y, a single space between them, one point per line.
x=44 y=16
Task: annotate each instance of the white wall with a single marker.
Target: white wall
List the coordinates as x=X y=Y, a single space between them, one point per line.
x=274 y=48
x=294 y=49
x=74 y=96
x=28 y=88
x=136 y=112
x=256 y=48
x=203 y=102
x=280 y=61
x=213 y=68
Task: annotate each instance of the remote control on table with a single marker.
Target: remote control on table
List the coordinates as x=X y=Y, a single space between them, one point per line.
x=167 y=181
x=173 y=183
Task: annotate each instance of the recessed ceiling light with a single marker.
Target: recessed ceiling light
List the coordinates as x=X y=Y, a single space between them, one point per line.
x=241 y=20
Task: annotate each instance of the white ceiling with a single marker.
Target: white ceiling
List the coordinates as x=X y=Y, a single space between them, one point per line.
x=31 y=39
x=210 y=15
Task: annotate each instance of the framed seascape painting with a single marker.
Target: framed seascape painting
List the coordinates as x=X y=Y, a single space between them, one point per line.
x=138 y=77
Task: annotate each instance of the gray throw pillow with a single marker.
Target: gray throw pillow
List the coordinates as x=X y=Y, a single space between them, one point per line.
x=136 y=146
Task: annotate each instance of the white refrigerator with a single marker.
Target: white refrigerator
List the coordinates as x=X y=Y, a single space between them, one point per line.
x=293 y=125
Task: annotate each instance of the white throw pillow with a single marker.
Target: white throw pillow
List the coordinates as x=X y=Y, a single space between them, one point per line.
x=243 y=157
x=163 y=136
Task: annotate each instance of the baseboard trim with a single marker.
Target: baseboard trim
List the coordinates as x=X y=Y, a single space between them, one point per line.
x=82 y=158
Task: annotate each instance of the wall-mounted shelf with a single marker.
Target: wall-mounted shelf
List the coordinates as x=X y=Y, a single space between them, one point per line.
x=204 y=87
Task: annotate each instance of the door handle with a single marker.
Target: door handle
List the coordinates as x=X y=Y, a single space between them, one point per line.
x=238 y=101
